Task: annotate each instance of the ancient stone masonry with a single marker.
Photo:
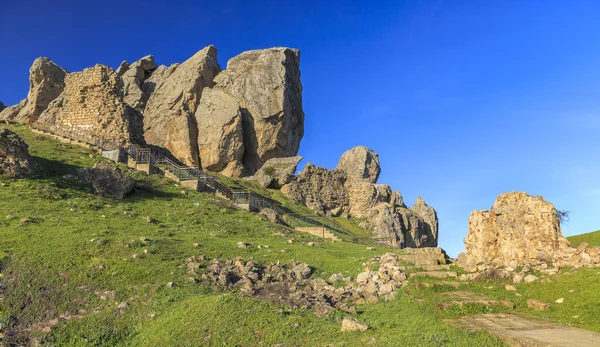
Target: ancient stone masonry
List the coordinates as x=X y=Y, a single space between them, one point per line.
x=91 y=105
x=351 y=190
x=521 y=229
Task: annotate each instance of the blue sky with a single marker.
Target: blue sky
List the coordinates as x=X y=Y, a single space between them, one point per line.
x=463 y=100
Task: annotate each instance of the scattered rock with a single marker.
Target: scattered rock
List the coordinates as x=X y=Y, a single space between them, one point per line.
x=530 y=278
x=242 y=245
x=560 y=301
x=313 y=244
x=351 y=324
x=271 y=214
x=510 y=288
x=538 y=305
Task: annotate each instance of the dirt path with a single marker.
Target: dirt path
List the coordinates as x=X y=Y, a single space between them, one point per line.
x=517 y=331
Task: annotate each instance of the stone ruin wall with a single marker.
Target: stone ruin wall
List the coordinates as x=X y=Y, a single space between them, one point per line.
x=91 y=106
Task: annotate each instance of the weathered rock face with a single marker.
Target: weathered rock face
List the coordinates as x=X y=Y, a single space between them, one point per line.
x=134 y=76
x=277 y=171
x=169 y=119
x=319 y=189
x=354 y=194
x=11 y=113
x=519 y=229
x=2 y=106
x=220 y=135
x=15 y=160
x=91 y=106
x=267 y=83
x=360 y=163
x=46 y=83
x=107 y=180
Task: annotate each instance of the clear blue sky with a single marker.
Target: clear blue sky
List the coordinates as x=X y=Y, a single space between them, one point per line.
x=463 y=100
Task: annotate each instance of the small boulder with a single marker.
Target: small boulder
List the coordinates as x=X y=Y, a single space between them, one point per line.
x=270 y=214
x=351 y=324
x=530 y=278
x=107 y=180
x=15 y=160
x=242 y=245
x=560 y=301
x=538 y=305
x=510 y=288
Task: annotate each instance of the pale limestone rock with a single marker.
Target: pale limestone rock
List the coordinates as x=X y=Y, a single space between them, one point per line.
x=46 y=83
x=519 y=229
x=360 y=163
x=268 y=84
x=351 y=324
x=364 y=195
x=169 y=119
x=429 y=217
x=278 y=171
x=157 y=77
x=133 y=78
x=11 y=113
x=220 y=137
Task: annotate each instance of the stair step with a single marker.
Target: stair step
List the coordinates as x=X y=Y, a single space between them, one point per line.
x=418 y=259
x=426 y=267
x=436 y=274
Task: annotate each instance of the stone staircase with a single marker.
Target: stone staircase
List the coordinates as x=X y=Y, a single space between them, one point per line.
x=426 y=262
x=319 y=232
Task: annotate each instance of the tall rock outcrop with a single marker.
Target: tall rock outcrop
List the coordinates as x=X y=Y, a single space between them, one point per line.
x=91 y=107
x=2 y=106
x=46 y=83
x=267 y=84
x=169 y=116
x=518 y=229
x=350 y=190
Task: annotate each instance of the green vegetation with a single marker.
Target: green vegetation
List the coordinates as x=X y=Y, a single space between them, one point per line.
x=593 y=239
x=62 y=248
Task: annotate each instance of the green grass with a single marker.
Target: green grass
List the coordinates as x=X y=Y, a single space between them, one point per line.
x=593 y=239
x=77 y=246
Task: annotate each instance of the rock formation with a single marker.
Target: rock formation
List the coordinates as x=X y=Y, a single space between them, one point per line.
x=360 y=162
x=350 y=190
x=169 y=119
x=15 y=160
x=277 y=172
x=91 y=106
x=518 y=229
x=107 y=180
x=229 y=121
x=267 y=84
x=2 y=106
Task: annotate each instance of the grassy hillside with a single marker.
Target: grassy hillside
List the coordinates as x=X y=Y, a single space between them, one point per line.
x=593 y=239
x=62 y=249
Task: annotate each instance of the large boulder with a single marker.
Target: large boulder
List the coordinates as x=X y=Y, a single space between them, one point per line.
x=267 y=83
x=107 y=180
x=360 y=163
x=277 y=171
x=169 y=116
x=518 y=229
x=91 y=107
x=430 y=219
x=46 y=83
x=15 y=160
x=319 y=189
x=220 y=134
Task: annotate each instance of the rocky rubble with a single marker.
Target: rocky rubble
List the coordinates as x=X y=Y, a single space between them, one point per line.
x=291 y=284
x=351 y=190
x=15 y=160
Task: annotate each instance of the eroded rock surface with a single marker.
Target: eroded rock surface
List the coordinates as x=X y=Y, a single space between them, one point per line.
x=267 y=83
x=277 y=171
x=169 y=116
x=350 y=190
x=518 y=229
x=15 y=160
